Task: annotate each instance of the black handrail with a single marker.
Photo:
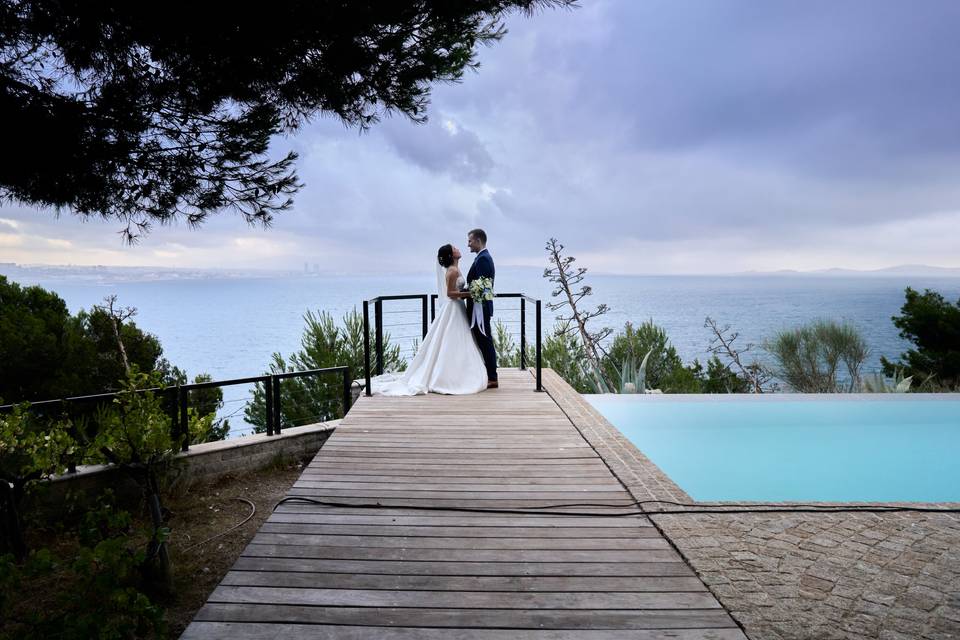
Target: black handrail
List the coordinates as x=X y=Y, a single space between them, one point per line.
x=378 y=330
x=179 y=426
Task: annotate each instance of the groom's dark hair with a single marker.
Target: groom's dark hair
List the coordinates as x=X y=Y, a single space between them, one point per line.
x=480 y=235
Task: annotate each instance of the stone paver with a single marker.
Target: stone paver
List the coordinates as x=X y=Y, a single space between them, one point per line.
x=823 y=576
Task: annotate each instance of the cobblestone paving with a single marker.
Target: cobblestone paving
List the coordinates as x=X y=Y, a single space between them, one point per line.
x=892 y=576
x=825 y=576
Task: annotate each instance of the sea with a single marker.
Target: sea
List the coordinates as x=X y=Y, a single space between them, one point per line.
x=229 y=324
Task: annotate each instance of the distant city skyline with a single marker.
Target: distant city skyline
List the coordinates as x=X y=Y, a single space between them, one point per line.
x=650 y=137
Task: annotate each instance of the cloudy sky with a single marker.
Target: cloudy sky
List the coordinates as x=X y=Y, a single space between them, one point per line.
x=676 y=136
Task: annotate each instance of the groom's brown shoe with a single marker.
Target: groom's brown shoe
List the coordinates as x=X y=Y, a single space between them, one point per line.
x=493 y=384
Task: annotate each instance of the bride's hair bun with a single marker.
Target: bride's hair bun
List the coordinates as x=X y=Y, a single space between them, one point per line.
x=445 y=255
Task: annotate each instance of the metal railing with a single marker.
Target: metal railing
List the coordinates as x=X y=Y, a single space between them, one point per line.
x=178 y=399
x=425 y=300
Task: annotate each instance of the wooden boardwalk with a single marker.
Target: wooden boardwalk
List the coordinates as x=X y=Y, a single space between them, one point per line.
x=316 y=572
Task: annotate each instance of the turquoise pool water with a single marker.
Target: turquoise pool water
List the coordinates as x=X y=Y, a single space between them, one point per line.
x=812 y=448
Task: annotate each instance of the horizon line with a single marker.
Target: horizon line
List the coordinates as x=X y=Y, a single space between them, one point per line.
x=899 y=269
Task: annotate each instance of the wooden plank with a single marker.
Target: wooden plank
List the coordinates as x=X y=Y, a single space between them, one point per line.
x=509 y=487
x=257 y=548
x=584 y=470
x=408 y=518
x=442 y=568
x=201 y=630
x=459 y=543
x=453 y=504
x=459 y=455
x=462 y=599
x=472 y=461
x=555 y=480
x=471 y=618
x=539 y=584
x=616 y=497
x=500 y=509
x=597 y=533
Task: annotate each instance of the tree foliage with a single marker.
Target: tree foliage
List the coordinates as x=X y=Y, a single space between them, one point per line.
x=323 y=344
x=49 y=354
x=99 y=589
x=932 y=324
x=122 y=111
x=665 y=368
x=30 y=451
x=820 y=357
x=720 y=378
x=42 y=346
x=135 y=433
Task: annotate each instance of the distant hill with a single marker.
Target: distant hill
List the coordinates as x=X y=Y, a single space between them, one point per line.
x=916 y=270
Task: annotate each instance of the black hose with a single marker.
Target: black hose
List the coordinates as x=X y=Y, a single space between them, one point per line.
x=687 y=508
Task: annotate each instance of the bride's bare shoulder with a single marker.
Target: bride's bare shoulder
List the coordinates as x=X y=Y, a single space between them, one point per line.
x=453 y=272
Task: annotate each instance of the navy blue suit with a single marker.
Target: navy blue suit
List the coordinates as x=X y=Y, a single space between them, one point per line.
x=482 y=267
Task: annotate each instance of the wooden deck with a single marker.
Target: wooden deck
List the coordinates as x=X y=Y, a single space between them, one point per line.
x=315 y=572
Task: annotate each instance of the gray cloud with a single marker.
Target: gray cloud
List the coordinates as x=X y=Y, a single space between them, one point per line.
x=441 y=145
x=685 y=133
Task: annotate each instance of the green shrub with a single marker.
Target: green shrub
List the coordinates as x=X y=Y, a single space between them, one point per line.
x=811 y=358
x=30 y=451
x=720 y=379
x=319 y=398
x=932 y=324
x=100 y=592
x=665 y=370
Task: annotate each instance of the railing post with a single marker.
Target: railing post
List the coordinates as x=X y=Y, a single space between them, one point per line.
x=378 y=320
x=423 y=315
x=276 y=406
x=539 y=361
x=347 y=381
x=268 y=392
x=184 y=419
x=366 y=346
x=523 y=333
x=433 y=307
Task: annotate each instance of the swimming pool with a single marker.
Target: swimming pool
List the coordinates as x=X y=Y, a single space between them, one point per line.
x=798 y=447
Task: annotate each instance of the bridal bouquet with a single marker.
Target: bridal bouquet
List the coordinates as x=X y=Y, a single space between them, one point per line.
x=481 y=290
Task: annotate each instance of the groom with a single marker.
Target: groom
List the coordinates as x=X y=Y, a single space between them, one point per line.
x=482 y=267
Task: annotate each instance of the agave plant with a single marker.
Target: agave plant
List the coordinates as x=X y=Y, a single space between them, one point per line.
x=878 y=383
x=629 y=378
x=595 y=378
x=633 y=378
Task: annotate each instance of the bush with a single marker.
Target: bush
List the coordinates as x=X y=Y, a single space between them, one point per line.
x=29 y=452
x=100 y=593
x=665 y=370
x=720 y=379
x=563 y=352
x=135 y=434
x=811 y=358
x=560 y=350
x=41 y=345
x=319 y=398
x=508 y=351
x=932 y=324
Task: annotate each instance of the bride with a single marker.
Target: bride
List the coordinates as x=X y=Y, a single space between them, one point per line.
x=448 y=361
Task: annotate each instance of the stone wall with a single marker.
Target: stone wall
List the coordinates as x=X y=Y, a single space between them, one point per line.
x=203 y=463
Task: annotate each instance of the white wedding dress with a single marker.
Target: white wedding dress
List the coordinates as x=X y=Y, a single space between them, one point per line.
x=448 y=361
